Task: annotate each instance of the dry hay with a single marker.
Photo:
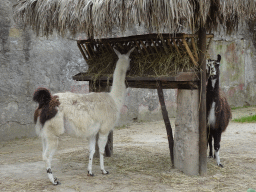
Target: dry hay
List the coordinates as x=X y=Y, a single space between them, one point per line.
x=143 y=164
x=154 y=64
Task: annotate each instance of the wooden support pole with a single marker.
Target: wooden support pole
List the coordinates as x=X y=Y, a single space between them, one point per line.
x=202 y=101
x=166 y=119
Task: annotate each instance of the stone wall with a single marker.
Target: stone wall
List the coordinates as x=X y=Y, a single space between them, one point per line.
x=238 y=69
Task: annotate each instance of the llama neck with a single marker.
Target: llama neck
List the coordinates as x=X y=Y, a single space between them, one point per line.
x=118 y=87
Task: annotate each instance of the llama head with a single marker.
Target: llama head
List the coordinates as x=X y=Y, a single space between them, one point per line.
x=124 y=58
x=212 y=67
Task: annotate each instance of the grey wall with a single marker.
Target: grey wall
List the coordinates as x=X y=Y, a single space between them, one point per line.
x=237 y=67
x=27 y=63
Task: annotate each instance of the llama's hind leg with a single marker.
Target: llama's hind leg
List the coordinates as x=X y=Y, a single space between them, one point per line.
x=217 y=138
x=103 y=138
x=92 y=142
x=51 y=144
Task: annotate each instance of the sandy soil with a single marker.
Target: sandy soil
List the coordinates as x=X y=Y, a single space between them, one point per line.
x=141 y=162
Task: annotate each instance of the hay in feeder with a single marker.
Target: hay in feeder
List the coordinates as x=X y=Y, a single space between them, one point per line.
x=154 y=64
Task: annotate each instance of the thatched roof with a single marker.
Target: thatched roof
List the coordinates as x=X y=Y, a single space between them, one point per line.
x=100 y=17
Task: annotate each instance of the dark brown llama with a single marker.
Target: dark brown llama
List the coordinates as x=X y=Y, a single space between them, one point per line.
x=218 y=109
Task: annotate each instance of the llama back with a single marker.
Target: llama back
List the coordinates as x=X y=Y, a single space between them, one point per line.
x=223 y=111
x=95 y=109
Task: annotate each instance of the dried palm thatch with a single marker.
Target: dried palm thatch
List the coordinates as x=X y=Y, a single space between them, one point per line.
x=97 y=18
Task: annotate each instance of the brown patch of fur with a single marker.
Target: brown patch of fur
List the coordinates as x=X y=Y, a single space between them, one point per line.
x=47 y=111
x=54 y=102
x=223 y=112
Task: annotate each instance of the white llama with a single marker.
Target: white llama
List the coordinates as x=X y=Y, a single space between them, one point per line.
x=84 y=115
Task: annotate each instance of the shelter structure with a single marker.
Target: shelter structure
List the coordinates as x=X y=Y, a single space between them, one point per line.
x=168 y=20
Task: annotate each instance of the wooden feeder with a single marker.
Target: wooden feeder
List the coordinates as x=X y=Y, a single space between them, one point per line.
x=146 y=46
x=184 y=45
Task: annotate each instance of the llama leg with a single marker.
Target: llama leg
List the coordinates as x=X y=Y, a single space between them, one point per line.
x=217 y=138
x=51 y=144
x=102 y=143
x=92 y=141
x=209 y=135
x=43 y=144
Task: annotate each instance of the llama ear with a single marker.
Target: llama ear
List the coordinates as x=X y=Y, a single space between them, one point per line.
x=129 y=52
x=117 y=52
x=218 y=58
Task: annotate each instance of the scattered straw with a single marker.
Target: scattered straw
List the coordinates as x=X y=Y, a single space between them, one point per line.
x=155 y=64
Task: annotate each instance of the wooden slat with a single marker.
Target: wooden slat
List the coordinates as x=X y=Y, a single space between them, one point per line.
x=194 y=47
x=189 y=52
x=82 y=51
x=88 y=51
x=176 y=47
x=154 y=45
x=144 y=46
x=142 y=37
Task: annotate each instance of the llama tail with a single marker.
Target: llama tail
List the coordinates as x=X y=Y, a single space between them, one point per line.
x=42 y=96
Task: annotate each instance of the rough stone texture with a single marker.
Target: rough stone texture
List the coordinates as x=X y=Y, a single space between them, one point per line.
x=28 y=62
x=186 y=137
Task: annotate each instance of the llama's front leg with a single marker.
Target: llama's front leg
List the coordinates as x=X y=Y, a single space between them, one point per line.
x=51 y=144
x=217 y=138
x=92 y=142
x=209 y=134
x=102 y=143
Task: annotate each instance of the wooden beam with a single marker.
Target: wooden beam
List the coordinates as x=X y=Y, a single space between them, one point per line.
x=182 y=76
x=202 y=101
x=166 y=120
x=189 y=52
x=194 y=47
x=143 y=37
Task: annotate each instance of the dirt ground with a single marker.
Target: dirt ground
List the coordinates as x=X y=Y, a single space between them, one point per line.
x=141 y=162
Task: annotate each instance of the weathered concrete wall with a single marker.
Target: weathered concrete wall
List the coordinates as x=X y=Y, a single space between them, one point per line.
x=237 y=67
x=28 y=62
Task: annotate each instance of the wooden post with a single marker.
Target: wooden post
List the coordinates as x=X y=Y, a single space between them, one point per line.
x=166 y=119
x=202 y=102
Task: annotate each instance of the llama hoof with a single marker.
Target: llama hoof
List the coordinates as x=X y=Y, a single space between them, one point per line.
x=90 y=174
x=220 y=165
x=56 y=182
x=210 y=156
x=105 y=172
